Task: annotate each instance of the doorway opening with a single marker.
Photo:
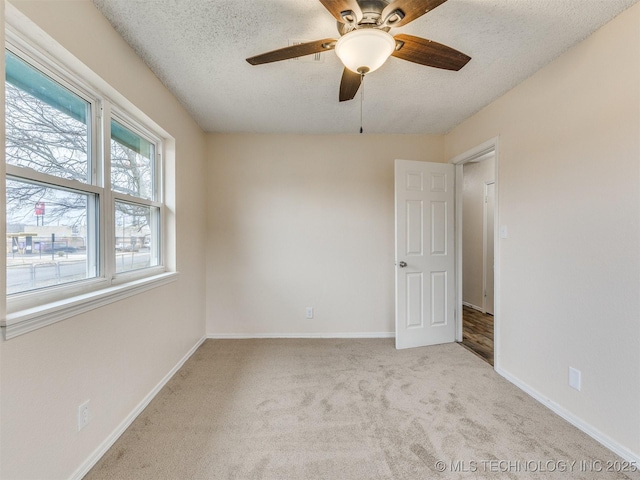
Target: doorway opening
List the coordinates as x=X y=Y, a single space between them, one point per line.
x=477 y=333
x=476 y=174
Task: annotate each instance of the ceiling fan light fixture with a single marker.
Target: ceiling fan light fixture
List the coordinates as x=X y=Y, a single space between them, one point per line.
x=365 y=50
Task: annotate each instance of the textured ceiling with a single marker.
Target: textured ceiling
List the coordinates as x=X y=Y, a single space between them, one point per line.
x=197 y=48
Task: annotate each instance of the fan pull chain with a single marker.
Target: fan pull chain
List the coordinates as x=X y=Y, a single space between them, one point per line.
x=361 y=98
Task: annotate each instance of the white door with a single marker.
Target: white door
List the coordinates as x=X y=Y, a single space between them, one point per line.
x=425 y=257
x=489 y=208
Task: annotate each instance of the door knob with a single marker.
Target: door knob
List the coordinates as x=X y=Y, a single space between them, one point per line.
x=402 y=264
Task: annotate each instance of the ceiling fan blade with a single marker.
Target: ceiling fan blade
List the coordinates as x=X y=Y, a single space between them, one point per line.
x=411 y=9
x=338 y=7
x=293 y=51
x=349 y=84
x=425 y=52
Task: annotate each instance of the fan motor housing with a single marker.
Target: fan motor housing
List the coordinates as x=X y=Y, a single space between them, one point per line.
x=371 y=13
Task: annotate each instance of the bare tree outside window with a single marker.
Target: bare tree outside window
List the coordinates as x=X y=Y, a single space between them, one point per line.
x=41 y=137
x=131 y=168
x=44 y=139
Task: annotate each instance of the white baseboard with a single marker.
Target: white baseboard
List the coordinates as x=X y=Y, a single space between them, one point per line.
x=577 y=422
x=97 y=454
x=220 y=336
x=471 y=305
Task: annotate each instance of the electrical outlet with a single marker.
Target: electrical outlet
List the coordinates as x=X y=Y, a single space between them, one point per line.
x=575 y=378
x=83 y=415
x=309 y=313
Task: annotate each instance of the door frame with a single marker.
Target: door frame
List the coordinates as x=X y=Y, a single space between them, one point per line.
x=485 y=236
x=490 y=147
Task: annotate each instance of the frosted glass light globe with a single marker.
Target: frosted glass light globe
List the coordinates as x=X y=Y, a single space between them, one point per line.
x=365 y=50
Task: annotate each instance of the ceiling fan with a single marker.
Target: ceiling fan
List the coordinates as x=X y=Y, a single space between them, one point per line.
x=365 y=43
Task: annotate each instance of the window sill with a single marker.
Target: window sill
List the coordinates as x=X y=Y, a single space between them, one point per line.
x=30 y=319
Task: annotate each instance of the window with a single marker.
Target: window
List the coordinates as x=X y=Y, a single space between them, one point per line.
x=84 y=203
x=134 y=185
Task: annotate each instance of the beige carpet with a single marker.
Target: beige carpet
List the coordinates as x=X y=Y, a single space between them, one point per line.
x=347 y=409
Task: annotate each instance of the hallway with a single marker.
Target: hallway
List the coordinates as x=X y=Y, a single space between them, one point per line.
x=477 y=333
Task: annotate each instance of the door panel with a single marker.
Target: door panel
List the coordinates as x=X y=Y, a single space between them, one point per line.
x=438 y=228
x=425 y=280
x=414 y=227
x=415 y=301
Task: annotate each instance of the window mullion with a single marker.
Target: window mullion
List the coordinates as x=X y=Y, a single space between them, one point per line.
x=135 y=200
x=30 y=174
x=157 y=177
x=108 y=216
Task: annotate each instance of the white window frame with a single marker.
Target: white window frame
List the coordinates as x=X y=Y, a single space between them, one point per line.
x=27 y=311
x=157 y=200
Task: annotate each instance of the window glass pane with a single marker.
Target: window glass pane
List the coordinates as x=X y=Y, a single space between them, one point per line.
x=131 y=163
x=47 y=126
x=137 y=239
x=50 y=236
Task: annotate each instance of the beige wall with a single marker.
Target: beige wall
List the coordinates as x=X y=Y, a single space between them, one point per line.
x=569 y=193
x=116 y=355
x=476 y=175
x=298 y=221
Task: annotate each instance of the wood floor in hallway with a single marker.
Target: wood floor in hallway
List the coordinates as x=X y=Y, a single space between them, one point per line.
x=477 y=333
